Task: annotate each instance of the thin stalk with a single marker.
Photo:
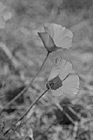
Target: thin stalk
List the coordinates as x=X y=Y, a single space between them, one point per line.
x=75 y=113
x=67 y=115
x=54 y=123
x=27 y=86
x=21 y=118
x=32 y=105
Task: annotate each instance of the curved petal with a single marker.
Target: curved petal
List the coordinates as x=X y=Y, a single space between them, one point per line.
x=54 y=72
x=66 y=42
x=50 y=28
x=53 y=28
x=47 y=41
x=45 y=38
x=59 y=62
x=64 y=67
x=69 y=88
x=60 y=67
x=57 y=92
x=67 y=69
x=62 y=37
x=71 y=85
x=70 y=81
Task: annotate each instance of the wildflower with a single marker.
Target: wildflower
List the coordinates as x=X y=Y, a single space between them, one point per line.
x=62 y=79
x=5 y=15
x=55 y=36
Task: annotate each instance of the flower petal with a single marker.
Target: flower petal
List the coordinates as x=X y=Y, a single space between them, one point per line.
x=57 y=92
x=54 y=72
x=62 y=37
x=65 y=70
x=71 y=85
x=47 y=41
x=70 y=81
x=60 y=67
x=66 y=42
x=57 y=65
x=53 y=28
x=44 y=37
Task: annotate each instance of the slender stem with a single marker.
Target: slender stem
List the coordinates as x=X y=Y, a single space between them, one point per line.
x=27 y=86
x=39 y=69
x=67 y=115
x=32 y=105
x=59 y=120
x=75 y=113
x=55 y=122
x=21 y=118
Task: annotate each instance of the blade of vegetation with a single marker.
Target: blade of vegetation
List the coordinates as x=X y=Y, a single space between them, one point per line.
x=21 y=118
x=27 y=86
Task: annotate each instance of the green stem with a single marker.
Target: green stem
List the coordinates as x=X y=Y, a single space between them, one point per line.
x=27 y=86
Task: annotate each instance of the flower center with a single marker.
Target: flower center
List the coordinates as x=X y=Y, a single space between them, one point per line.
x=54 y=83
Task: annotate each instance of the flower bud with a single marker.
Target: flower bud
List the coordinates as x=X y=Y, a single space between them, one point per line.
x=47 y=41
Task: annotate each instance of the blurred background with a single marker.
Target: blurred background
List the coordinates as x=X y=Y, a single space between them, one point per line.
x=22 y=53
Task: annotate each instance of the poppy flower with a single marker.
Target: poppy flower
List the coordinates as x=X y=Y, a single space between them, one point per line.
x=63 y=79
x=55 y=36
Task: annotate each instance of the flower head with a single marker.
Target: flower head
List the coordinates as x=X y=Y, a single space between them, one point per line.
x=57 y=37
x=62 y=79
